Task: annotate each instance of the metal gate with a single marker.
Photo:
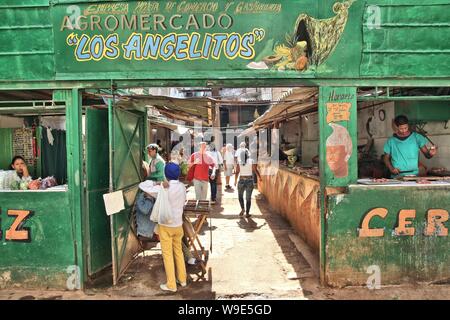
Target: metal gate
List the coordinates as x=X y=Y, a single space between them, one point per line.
x=127 y=139
x=97 y=236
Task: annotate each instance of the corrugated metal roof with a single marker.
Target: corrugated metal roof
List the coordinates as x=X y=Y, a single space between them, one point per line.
x=299 y=100
x=186 y=109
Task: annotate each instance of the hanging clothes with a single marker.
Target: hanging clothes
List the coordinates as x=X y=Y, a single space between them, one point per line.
x=54 y=156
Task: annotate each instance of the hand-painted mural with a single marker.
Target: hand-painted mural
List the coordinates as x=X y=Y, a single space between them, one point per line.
x=339 y=150
x=337 y=107
x=327 y=39
x=172 y=46
x=311 y=42
x=203 y=35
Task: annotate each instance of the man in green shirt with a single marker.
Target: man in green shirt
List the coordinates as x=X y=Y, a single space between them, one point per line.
x=155 y=172
x=401 y=151
x=157 y=164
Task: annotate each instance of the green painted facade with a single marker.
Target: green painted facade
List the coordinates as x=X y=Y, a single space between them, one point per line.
x=401 y=258
x=349 y=44
x=42 y=260
x=127 y=151
x=98 y=237
x=7 y=147
x=338 y=127
x=373 y=39
x=423 y=110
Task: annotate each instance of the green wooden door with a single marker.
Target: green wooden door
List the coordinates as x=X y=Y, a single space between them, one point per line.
x=7 y=148
x=98 y=237
x=127 y=140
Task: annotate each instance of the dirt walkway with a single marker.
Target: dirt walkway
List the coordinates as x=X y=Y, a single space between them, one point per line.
x=251 y=258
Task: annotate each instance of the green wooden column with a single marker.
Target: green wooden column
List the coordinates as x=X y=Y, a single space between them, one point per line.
x=338 y=147
x=75 y=173
x=338 y=136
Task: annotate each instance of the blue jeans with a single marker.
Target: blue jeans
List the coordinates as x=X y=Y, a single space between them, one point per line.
x=144 y=206
x=245 y=185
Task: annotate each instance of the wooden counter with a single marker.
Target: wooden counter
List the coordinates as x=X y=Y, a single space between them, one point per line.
x=295 y=197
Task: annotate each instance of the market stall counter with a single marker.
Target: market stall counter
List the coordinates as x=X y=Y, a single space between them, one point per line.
x=37 y=235
x=294 y=193
x=397 y=227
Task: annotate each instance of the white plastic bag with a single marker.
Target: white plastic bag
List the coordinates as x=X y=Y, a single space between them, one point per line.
x=162 y=212
x=154 y=216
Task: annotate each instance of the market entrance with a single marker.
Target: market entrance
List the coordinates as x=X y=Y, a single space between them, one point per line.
x=180 y=118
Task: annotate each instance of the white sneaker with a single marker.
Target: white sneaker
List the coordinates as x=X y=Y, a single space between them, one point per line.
x=182 y=284
x=165 y=288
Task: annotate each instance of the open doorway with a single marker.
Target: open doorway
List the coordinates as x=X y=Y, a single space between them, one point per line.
x=267 y=120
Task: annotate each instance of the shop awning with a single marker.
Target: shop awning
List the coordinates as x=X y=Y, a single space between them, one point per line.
x=185 y=109
x=178 y=128
x=299 y=101
x=163 y=123
x=189 y=110
x=248 y=132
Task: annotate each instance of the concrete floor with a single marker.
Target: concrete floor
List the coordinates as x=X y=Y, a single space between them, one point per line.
x=251 y=258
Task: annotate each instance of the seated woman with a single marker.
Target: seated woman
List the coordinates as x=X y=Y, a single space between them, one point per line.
x=22 y=178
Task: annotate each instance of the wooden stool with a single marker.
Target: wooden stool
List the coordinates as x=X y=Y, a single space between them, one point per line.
x=199 y=209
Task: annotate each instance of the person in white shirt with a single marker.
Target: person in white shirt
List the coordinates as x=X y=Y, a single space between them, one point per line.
x=245 y=168
x=228 y=164
x=214 y=174
x=171 y=235
x=242 y=148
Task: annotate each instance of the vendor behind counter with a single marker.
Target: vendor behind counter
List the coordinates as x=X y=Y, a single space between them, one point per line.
x=401 y=151
x=20 y=179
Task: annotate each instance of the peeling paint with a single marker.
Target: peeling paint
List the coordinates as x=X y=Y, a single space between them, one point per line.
x=418 y=253
x=339 y=198
x=77 y=178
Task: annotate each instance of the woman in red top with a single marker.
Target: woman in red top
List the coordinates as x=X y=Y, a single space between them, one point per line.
x=202 y=162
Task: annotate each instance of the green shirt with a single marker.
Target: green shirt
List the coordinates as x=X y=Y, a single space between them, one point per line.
x=405 y=153
x=157 y=169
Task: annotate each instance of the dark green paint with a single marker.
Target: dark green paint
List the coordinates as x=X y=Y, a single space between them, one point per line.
x=409 y=43
x=26 y=46
x=97 y=231
x=402 y=52
x=423 y=110
x=328 y=178
x=127 y=143
x=7 y=148
x=401 y=259
x=74 y=168
x=412 y=40
x=51 y=247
